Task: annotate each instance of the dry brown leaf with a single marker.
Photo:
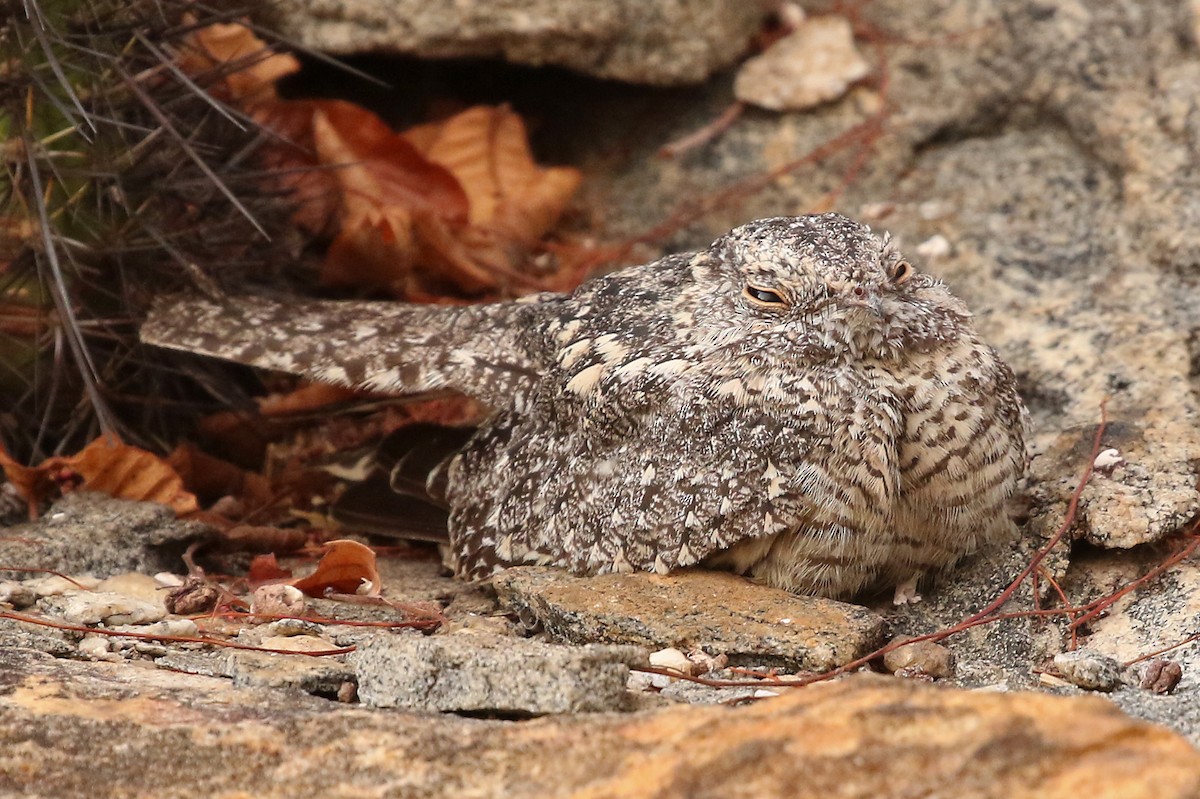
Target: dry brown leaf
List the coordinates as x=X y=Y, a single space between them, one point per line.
x=406 y=200
x=487 y=149
x=376 y=252
x=212 y=477
x=305 y=397
x=252 y=68
x=120 y=470
x=454 y=207
x=107 y=466
x=33 y=483
x=264 y=568
x=347 y=567
x=381 y=169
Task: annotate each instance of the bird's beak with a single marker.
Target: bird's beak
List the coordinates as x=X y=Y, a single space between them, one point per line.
x=868 y=300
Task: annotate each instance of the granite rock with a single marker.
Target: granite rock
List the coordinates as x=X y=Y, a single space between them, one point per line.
x=98 y=729
x=487 y=674
x=657 y=42
x=88 y=533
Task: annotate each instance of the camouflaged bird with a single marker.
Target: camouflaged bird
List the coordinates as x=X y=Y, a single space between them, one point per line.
x=796 y=403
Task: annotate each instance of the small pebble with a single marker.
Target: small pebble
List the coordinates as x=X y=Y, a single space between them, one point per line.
x=671 y=658
x=1108 y=460
x=16 y=595
x=297 y=643
x=278 y=600
x=936 y=246
x=95 y=647
x=286 y=627
x=813 y=64
x=168 y=580
x=132 y=584
x=920 y=659
x=347 y=692
x=1089 y=669
x=1161 y=676
x=89 y=607
x=194 y=596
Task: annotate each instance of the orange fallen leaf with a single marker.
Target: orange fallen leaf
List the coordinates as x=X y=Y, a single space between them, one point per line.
x=127 y=472
x=378 y=168
x=376 y=252
x=347 y=567
x=487 y=149
x=33 y=483
x=249 y=66
x=264 y=568
x=107 y=466
x=456 y=207
x=213 y=477
x=305 y=397
x=261 y=538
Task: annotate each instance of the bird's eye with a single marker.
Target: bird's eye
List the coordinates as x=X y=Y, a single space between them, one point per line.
x=764 y=296
x=901 y=272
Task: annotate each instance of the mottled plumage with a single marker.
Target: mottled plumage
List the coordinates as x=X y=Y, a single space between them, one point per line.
x=794 y=403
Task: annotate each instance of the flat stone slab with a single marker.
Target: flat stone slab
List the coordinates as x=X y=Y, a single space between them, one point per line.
x=717 y=612
x=492 y=674
x=313 y=675
x=98 y=729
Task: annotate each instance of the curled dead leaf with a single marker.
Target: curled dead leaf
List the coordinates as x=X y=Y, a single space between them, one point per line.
x=377 y=168
x=120 y=470
x=32 y=483
x=459 y=206
x=347 y=567
x=213 y=477
x=265 y=568
x=261 y=538
x=107 y=466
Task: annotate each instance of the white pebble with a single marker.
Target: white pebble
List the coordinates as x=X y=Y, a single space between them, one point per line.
x=96 y=647
x=1108 y=459
x=671 y=658
x=278 y=600
x=168 y=580
x=89 y=607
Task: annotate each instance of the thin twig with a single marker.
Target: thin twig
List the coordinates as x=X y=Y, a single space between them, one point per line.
x=1067 y=523
x=178 y=639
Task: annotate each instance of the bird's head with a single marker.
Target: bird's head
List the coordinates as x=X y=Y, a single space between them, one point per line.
x=822 y=286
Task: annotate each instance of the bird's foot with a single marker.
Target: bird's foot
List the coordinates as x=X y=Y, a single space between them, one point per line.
x=906 y=592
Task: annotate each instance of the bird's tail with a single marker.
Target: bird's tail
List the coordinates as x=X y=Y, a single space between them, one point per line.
x=399 y=348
